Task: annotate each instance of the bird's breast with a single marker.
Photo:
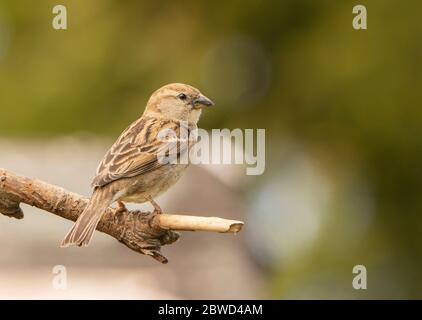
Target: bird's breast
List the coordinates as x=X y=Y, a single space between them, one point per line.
x=152 y=184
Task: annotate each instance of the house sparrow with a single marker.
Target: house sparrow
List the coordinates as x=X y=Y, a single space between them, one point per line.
x=131 y=170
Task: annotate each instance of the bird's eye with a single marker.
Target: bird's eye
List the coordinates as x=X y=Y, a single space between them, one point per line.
x=182 y=96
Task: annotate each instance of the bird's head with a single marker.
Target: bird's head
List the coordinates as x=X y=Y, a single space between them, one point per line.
x=177 y=102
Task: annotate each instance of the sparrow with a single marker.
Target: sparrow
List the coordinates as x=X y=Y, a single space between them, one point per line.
x=132 y=170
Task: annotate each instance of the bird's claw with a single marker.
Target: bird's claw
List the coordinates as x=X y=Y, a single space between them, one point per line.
x=157 y=208
x=120 y=211
x=121 y=208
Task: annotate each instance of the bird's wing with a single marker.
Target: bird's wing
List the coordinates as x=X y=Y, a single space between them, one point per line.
x=137 y=149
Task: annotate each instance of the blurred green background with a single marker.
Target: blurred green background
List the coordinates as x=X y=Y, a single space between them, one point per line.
x=343 y=180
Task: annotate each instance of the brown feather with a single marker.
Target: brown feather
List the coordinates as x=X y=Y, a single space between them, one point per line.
x=135 y=153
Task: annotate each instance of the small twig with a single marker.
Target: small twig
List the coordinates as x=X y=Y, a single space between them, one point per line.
x=190 y=223
x=144 y=232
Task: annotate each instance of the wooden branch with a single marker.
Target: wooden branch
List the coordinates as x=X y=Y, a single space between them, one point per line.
x=143 y=232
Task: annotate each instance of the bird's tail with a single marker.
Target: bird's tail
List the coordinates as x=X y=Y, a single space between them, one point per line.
x=83 y=229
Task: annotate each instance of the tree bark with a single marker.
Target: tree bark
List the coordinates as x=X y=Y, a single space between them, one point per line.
x=143 y=232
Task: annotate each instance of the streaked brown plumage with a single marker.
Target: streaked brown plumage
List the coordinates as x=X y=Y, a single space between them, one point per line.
x=131 y=170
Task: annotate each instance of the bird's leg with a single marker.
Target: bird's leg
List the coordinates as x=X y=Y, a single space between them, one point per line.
x=157 y=208
x=121 y=208
x=118 y=215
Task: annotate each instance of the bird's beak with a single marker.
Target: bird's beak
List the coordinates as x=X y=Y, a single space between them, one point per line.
x=202 y=102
